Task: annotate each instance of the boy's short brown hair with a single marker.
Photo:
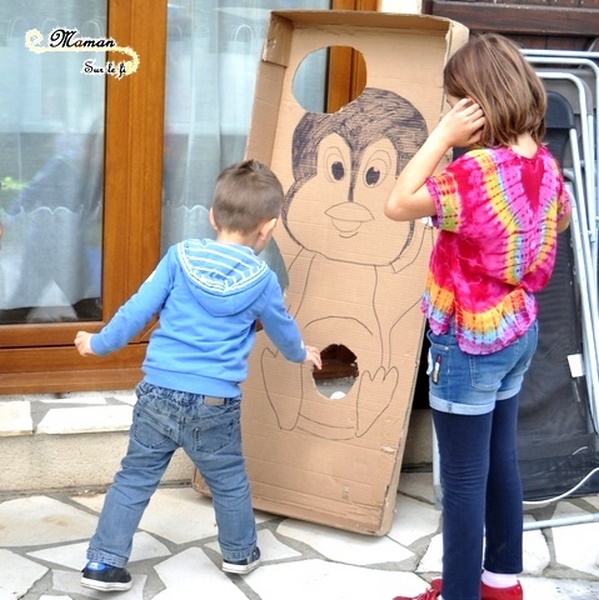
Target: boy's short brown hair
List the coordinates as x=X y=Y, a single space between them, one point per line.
x=246 y=195
x=491 y=70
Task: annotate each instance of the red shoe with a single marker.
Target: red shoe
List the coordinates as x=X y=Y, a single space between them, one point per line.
x=511 y=593
x=487 y=592
x=431 y=594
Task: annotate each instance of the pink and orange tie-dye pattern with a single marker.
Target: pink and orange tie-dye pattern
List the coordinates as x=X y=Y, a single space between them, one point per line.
x=497 y=214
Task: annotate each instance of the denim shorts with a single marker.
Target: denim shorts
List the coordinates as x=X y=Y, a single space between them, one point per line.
x=469 y=384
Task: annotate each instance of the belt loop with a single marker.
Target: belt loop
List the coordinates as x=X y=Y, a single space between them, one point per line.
x=213 y=401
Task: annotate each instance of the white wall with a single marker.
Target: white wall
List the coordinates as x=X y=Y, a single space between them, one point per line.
x=402 y=6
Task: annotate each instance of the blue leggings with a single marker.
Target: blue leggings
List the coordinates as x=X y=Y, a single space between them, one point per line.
x=482 y=497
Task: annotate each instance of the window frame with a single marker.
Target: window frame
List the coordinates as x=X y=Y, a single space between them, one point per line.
x=41 y=358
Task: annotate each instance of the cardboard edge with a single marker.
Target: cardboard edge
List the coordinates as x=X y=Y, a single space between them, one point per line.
x=375 y=19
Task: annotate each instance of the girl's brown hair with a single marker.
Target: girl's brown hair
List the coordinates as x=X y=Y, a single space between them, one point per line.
x=246 y=194
x=491 y=70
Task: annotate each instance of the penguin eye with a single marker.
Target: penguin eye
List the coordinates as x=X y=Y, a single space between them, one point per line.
x=377 y=168
x=337 y=170
x=372 y=176
x=334 y=165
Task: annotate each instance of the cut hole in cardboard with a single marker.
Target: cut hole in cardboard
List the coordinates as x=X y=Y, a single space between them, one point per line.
x=339 y=371
x=310 y=81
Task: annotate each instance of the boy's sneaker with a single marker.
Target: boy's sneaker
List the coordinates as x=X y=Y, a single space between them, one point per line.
x=245 y=566
x=105 y=578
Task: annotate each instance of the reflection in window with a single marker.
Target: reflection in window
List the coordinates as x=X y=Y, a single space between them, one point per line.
x=51 y=166
x=212 y=57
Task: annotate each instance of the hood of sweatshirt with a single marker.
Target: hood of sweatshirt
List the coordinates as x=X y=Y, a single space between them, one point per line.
x=224 y=278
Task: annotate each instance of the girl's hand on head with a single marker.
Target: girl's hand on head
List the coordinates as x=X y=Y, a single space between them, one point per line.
x=462 y=126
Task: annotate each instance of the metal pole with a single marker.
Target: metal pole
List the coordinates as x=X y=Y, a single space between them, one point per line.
x=561 y=522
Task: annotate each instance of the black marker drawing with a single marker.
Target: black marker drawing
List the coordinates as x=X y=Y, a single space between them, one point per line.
x=344 y=167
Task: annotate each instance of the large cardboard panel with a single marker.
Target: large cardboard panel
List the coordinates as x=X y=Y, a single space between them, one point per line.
x=355 y=276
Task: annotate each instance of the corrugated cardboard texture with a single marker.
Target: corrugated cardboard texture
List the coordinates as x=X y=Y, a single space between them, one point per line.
x=356 y=277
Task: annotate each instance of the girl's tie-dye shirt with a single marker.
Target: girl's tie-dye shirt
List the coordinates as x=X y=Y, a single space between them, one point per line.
x=497 y=212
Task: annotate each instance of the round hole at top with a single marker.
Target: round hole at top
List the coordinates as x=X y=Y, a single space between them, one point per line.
x=329 y=78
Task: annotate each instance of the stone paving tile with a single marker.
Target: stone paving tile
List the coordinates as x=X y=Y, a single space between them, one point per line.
x=40 y=520
x=343 y=546
x=558 y=589
x=175 y=554
x=431 y=561
x=90 y=419
x=573 y=550
x=191 y=571
x=413 y=520
x=537 y=556
x=15 y=418
x=18 y=575
x=64 y=412
x=321 y=580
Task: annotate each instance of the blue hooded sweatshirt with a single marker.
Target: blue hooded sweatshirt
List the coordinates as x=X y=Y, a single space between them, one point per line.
x=208 y=296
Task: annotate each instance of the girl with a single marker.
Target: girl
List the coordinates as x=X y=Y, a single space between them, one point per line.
x=499 y=208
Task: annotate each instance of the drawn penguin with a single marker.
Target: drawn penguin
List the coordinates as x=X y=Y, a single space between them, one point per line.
x=344 y=283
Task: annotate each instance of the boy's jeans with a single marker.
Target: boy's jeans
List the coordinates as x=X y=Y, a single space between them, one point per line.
x=164 y=420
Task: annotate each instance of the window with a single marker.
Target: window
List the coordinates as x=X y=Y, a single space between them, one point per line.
x=212 y=45
x=97 y=252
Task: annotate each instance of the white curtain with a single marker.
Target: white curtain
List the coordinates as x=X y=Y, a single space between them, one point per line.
x=51 y=164
x=213 y=53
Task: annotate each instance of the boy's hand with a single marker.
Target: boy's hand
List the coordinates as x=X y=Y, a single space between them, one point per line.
x=82 y=344
x=313 y=357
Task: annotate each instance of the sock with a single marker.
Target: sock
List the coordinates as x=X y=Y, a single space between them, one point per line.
x=499 y=580
x=94 y=565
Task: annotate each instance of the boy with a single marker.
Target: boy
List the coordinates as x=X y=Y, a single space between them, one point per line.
x=208 y=295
